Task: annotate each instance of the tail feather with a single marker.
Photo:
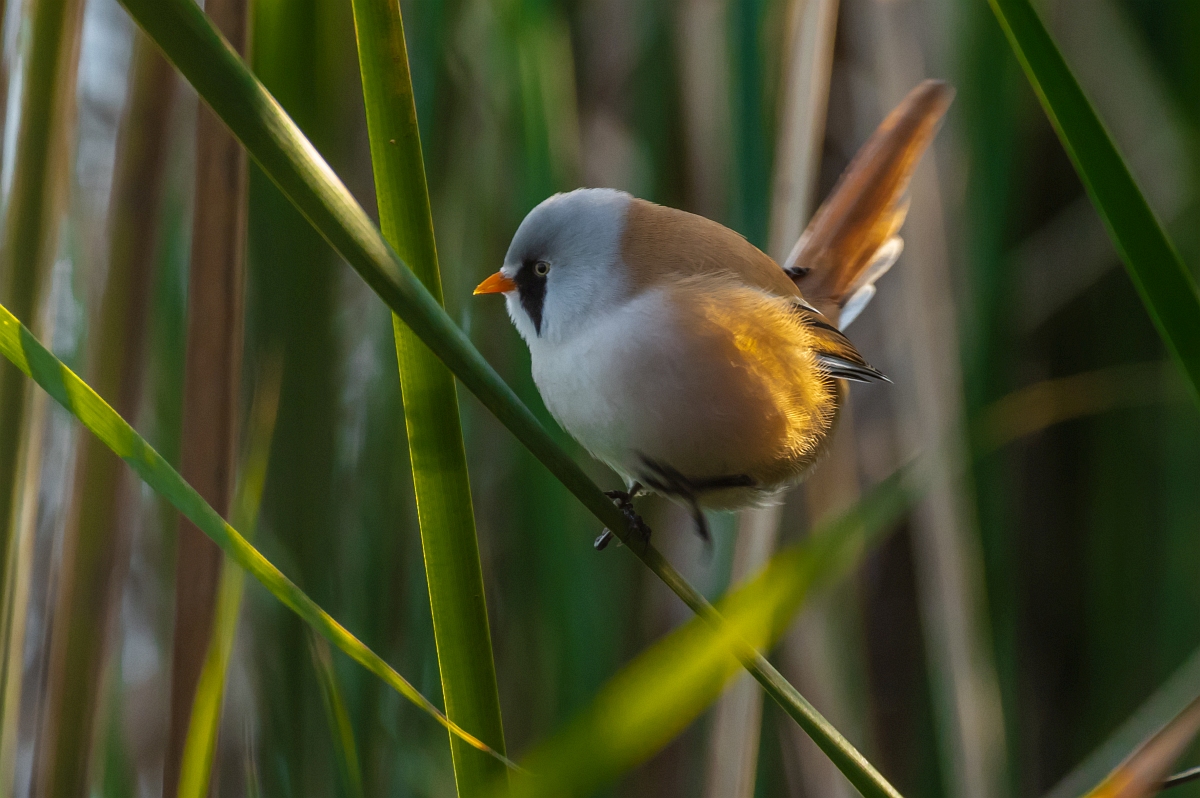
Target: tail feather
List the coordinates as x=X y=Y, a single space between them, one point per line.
x=862 y=290
x=852 y=240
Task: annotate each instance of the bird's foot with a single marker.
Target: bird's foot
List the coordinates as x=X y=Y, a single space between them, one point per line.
x=624 y=501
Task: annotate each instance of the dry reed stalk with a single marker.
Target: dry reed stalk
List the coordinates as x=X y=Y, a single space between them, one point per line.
x=1072 y=251
x=734 y=740
x=35 y=206
x=211 y=385
x=704 y=82
x=948 y=560
x=96 y=540
x=813 y=656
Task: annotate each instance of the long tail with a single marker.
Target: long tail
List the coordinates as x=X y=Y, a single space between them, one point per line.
x=852 y=240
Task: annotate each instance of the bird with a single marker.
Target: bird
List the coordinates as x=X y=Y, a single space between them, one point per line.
x=685 y=358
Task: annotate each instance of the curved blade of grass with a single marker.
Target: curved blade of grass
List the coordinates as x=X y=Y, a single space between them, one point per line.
x=435 y=444
x=187 y=38
x=189 y=41
x=200 y=745
x=337 y=716
x=667 y=686
x=24 y=351
x=1170 y=700
x=1142 y=773
x=1036 y=407
x=1162 y=280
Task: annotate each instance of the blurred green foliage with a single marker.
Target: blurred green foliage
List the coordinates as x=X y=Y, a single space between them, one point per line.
x=1089 y=529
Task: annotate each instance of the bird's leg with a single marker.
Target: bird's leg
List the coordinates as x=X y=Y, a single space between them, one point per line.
x=624 y=498
x=666 y=479
x=624 y=501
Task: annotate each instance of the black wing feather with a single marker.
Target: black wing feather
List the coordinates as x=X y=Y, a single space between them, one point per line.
x=834 y=351
x=844 y=369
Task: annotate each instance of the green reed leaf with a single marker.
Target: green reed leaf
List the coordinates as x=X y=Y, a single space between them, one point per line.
x=201 y=744
x=1164 y=283
x=1170 y=700
x=667 y=686
x=24 y=351
x=435 y=443
x=337 y=716
x=197 y=49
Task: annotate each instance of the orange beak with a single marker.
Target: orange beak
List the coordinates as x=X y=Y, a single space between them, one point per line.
x=496 y=284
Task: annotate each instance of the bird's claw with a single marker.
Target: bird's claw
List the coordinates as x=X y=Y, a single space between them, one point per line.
x=634 y=523
x=624 y=498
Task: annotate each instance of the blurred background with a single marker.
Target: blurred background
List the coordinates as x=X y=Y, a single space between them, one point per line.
x=1041 y=590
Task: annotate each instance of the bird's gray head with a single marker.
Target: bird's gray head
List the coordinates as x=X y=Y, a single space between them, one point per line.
x=564 y=261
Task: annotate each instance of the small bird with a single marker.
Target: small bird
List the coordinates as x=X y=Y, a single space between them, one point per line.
x=685 y=358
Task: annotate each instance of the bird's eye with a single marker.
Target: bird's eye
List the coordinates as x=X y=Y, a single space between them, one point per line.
x=541 y=268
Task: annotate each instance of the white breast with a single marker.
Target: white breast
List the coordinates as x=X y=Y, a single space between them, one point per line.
x=585 y=379
x=712 y=379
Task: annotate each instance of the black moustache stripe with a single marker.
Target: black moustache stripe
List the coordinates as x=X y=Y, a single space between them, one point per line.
x=531 y=288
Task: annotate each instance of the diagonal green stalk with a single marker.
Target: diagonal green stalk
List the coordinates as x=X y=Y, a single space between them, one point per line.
x=435 y=444
x=666 y=687
x=1163 y=281
x=288 y=158
x=22 y=349
x=1170 y=699
x=1147 y=769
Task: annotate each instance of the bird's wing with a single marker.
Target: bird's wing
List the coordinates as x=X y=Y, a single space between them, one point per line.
x=664 y=244
x=834 y=351
x=852 y=240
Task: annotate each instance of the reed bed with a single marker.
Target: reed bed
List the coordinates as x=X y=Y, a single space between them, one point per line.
x=991 y=569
